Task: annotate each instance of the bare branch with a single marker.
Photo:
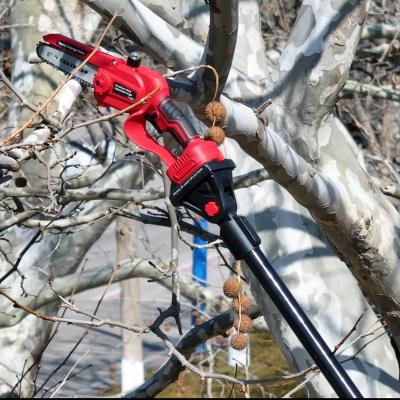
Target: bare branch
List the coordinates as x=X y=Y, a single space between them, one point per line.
x=171 y=370
x=379 y=31
x=364 y=89
x=24 y=102
x=17 y=219
x=9 y=163
x=92 y=323
x=72 y=283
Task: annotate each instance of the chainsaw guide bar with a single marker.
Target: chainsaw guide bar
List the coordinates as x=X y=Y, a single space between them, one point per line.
x=66 y=63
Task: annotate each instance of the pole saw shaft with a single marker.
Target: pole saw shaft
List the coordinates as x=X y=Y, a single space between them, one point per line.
x=232 y=232
x=301 y=325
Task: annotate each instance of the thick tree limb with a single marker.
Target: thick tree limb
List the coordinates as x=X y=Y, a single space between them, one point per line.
x=219 y=48
x=166 y=44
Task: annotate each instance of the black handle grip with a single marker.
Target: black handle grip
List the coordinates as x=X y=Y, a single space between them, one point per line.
x=175 y=122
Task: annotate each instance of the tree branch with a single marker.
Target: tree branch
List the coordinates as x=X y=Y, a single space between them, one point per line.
x=365 y=89
x=17 y=219
x=96 y=322
x=379 y=31
x=166 y=44
x=100 y=276
x=220 y=47
x=134 y=195
x=171 y=370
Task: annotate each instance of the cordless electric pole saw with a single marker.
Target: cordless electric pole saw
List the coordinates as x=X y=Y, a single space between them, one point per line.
x=201 y=178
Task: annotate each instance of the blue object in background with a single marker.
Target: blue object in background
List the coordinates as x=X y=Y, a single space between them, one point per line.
x=199 y=269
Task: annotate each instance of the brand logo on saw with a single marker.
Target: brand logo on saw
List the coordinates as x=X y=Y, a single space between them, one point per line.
x=72 y=66
x=124 y=91
x=72 y=48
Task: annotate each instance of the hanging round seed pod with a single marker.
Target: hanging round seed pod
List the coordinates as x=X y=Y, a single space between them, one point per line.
x=198 y=321
x=215 y=111
x=243 y=324
x=245 y=305
x=216 y=134
x=239 y=341
x=232 y=288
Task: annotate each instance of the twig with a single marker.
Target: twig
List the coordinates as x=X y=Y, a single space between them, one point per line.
x=300 y=385
x=379 y=92
x=20 y=256
x=24 y=102
x=387 y=162
x=209 y=245
x=70 y=377
x=173 y=265
x=353 y=328
x=97 y=323
x=64 y=381
x=395 y=36
x=196 y=68
x=4 y=27
x=112 y=115
x=7 y=9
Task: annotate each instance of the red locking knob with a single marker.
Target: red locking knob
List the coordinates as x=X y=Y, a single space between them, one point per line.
x=211 y=208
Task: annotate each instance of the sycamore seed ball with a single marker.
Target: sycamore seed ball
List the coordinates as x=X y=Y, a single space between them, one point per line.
x=216 y=134
x=243 y=324
x=198 y=321
x=245 y=305
x=232 y=288
x=215 y=111
x=239 y=341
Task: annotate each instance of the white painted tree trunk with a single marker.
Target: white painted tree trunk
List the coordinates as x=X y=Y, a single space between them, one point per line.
x=132 y=366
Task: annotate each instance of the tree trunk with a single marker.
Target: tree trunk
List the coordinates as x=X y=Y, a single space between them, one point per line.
x=132 y=366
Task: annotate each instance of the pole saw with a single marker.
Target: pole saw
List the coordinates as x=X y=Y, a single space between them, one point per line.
x=201 y=178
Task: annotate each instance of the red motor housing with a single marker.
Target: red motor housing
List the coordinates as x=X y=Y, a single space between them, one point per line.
x=120 y=83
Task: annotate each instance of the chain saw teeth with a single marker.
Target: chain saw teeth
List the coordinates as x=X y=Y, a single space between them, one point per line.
x=66 y=72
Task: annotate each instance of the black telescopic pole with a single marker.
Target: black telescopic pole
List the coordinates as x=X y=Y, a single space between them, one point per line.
x=209 y=192
x=301 y=325
x=243 y=242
